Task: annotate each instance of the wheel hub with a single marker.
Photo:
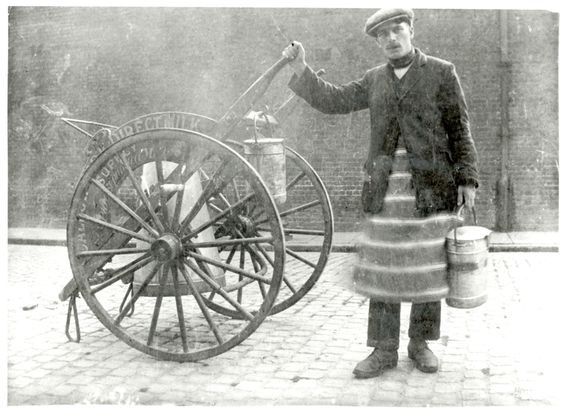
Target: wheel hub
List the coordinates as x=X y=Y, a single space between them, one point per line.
x=246 y=225
x=168 y=247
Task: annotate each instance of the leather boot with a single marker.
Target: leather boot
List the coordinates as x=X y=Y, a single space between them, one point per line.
x=376 y=363
x=425 y=360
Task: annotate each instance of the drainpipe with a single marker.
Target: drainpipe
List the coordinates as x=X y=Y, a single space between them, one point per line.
x=504 y=184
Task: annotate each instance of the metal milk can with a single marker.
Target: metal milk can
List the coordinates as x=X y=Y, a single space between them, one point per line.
x=268 y=157
x=467 y=255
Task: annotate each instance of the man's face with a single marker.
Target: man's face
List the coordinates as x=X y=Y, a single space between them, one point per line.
x=395 y=39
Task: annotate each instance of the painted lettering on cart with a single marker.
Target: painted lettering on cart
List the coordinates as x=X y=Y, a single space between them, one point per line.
x=168 y=120
x=81 y=239
x=114 y=171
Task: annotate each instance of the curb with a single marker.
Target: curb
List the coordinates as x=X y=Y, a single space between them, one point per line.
x=36 y=242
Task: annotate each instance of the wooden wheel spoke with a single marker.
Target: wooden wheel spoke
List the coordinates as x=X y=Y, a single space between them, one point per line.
x=232 y=209
x=136 y=295
x=255 y=211
x=142 y=194
x=224 y=200
x=122 y=272
x=178 y=205
x=234 y=242
x=157 y=308
x=300 y=258
x=230 y=268
x=213 y=186
x=186 y=175
x=289 y=284
x=236 y=190
x=228 y=261
x=215 y=207
x=266 y=255
x=220 y=195
x=102 y=252
x=115 y=228
x=293 y=210
x=310 y=232
x=127 y=293
x=295 y=180
x=162 y=194
x=200 y=301
x=257 y=267
x=300 y=208
x=269 y=259
x=179 y=309
x=292 y=231
x=242 y=266
x=175 y=223
x=231 y=254
x=218 y=289
x=126 y=208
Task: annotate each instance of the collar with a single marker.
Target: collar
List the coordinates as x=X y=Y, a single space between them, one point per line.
x=403 y=61
x=420 y=59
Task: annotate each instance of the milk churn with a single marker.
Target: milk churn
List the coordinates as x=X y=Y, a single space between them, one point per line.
x=190 y=191
x=467 y=254
x=268 y=157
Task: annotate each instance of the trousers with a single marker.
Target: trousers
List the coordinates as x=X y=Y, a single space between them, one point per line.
x=384 y=323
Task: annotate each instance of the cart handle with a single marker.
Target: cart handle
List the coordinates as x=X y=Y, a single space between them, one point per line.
x=245 y=102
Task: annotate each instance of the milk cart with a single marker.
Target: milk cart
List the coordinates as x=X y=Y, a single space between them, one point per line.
x=178 y=226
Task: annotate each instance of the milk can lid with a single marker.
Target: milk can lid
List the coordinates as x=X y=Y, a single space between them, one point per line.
x=469 y=233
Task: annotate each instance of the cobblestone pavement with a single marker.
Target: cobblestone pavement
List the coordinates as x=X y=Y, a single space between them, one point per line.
x=501 y=353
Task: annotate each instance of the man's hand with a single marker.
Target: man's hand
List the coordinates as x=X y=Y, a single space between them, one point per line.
x=466 y=195
x=295 y=53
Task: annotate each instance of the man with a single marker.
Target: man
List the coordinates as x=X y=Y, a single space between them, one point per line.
x=418 y=98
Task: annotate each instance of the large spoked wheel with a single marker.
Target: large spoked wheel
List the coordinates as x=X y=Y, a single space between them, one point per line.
x=158 y=226
x=306 y=215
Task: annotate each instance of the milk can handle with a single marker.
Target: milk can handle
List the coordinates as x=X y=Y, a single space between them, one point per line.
x=458 y=215
x=260 y=114
x=255 y=129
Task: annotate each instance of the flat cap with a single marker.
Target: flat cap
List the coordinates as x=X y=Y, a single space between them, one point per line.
x=384 y=16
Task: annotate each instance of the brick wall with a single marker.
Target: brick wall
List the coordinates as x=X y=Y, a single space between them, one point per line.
x=111 y=65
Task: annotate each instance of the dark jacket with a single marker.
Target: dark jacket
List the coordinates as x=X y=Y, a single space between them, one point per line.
x=429 y=112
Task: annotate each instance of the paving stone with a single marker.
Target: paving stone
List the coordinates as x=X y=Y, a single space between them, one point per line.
x=312 y=374
x=18 y=399
x=474 y=395
x=46 y=384
x=446 y=399
x=38 y=373
x=476 y=373
x=390 y=386
x=475 y=383
x=502 y=388
x=419 y=393
x=418 y=379
x=451 y=376
x=475 y=402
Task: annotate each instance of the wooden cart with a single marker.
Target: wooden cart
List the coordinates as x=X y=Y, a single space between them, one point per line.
x=176 y=240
